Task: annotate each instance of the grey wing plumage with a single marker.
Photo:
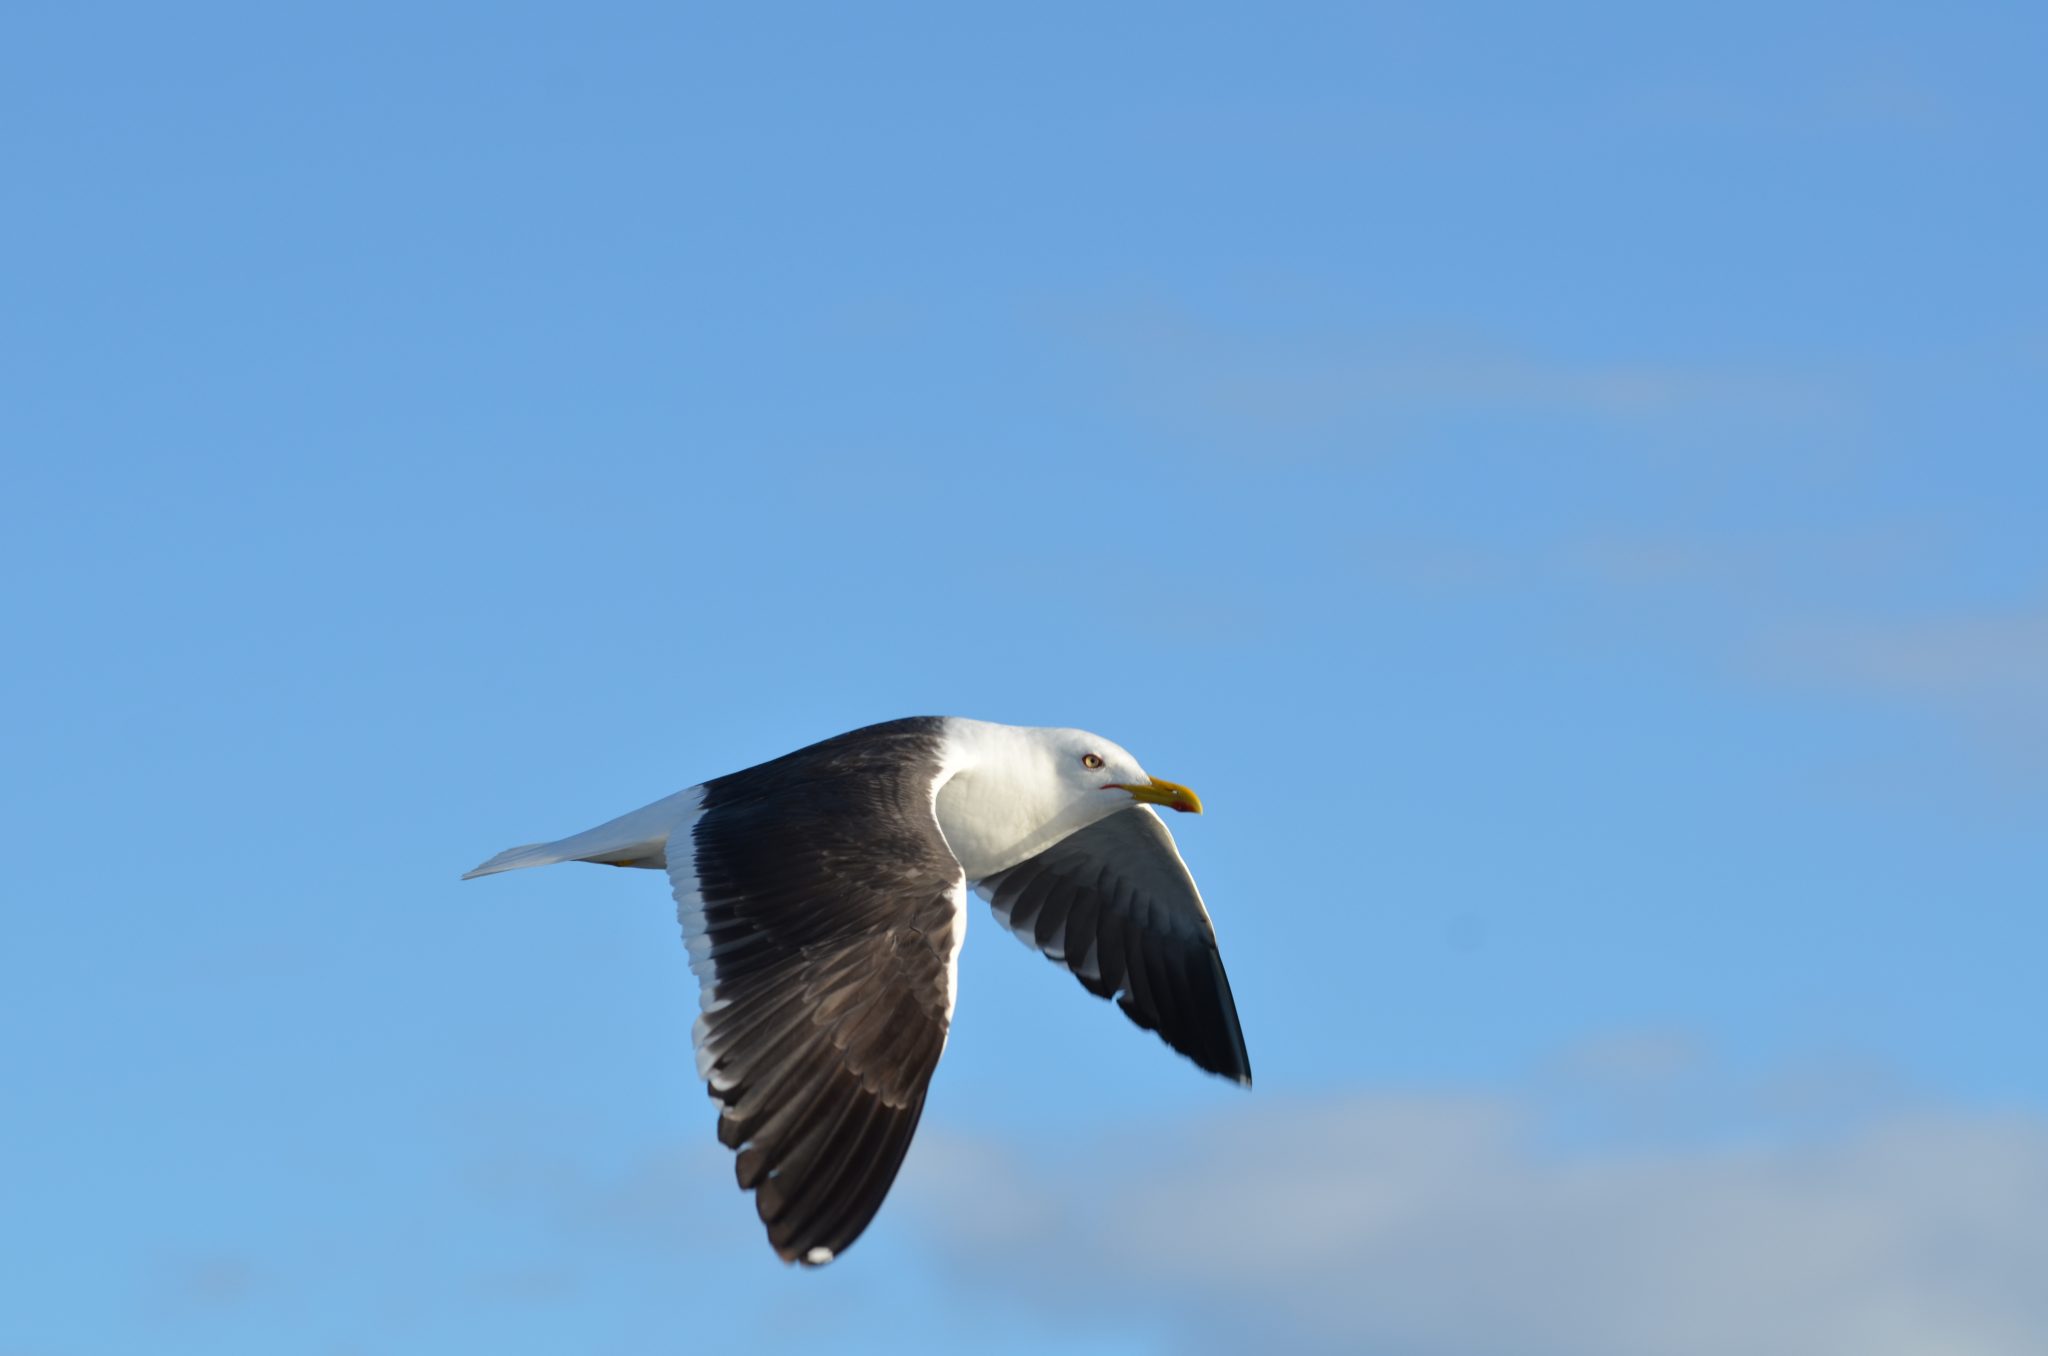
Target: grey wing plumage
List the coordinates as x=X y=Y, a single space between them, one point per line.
x=1115 y=904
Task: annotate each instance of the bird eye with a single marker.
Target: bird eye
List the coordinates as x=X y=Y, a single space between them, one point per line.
x=1091 y=761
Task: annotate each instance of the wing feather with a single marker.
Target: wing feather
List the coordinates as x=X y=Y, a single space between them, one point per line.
x=1116 y=906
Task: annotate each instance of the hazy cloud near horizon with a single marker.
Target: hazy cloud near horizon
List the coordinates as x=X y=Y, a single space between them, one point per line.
x=1447 y=1226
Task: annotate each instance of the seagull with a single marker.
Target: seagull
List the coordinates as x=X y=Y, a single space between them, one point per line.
x=823 y=898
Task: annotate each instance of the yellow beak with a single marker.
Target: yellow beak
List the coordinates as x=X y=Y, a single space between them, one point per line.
x=1172 y=795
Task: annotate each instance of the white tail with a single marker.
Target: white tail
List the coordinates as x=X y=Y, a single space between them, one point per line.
x=636 y=839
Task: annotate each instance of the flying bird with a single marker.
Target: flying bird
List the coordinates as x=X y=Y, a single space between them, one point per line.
x=823 y=897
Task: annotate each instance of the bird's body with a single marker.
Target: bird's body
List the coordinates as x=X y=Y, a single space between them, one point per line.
x=823 y=898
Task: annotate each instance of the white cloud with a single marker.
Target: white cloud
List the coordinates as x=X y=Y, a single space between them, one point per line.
x=1419 y=1226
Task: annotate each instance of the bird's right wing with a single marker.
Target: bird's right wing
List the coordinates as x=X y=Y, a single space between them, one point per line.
x=1115 y=904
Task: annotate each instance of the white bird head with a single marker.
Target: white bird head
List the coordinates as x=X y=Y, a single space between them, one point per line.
x=1091 y=765
x=1021 y=788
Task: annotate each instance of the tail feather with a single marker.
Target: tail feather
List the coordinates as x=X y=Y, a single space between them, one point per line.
x=636 y=839
x=511 y=859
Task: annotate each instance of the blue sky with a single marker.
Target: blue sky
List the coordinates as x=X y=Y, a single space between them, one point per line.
x=1566 y=486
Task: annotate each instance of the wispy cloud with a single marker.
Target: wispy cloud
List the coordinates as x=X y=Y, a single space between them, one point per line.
x=1986 y=671
x=1298 y=381
x=187 y=1283
x=1884 y=612
x=1981 y=658
x=1872 y=96
x=1439 y=1226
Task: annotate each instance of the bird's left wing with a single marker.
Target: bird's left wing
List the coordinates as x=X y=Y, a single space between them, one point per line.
x=1115 y=904
x=824 y=914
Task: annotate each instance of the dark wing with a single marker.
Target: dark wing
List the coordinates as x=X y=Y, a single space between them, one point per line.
x=1116 y=906
x=823 y=912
